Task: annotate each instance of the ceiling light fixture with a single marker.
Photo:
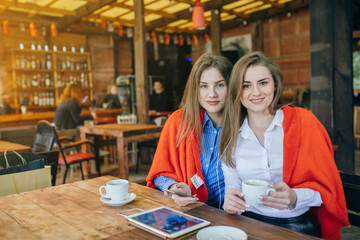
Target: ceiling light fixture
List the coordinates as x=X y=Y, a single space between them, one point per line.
x=198 y=19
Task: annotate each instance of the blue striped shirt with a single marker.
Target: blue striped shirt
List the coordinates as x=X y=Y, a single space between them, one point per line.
x=210 y=165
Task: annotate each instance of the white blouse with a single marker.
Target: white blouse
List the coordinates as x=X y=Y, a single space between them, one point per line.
x=253 y=161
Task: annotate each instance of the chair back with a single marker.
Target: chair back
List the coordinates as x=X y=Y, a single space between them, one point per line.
x=160 y=121
x=131 y=118
x=44 y=137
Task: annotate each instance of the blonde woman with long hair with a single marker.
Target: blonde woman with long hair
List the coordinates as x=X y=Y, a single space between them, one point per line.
x=67 y=114
x=284 y=146
x=186 y=159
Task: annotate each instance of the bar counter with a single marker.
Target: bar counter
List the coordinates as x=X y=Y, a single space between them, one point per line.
x=31 y=118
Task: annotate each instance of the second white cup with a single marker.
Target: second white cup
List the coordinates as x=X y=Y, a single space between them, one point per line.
x=253 y=188
x=116 y=190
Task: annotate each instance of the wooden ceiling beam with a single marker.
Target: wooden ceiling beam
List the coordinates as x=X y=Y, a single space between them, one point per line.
x=36 y=8
x=82 y=12
x=275 y=4
x=20 y=17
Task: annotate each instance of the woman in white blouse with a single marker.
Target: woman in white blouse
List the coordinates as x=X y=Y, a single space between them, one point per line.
x=284 y=146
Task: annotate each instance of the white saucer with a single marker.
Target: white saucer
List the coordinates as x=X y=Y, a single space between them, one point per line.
x=129 y=198
x=221 y=233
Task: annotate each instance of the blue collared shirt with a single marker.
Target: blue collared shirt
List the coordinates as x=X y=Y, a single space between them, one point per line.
x=210 y=165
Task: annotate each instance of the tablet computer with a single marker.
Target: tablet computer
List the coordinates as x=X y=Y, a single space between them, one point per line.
x=166 y=223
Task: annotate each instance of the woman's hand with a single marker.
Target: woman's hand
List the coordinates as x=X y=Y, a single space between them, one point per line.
x=283 y=198
x=234 y=202
x=184 y=197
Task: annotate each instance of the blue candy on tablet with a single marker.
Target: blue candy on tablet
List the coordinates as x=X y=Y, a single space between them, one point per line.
x=166 y=222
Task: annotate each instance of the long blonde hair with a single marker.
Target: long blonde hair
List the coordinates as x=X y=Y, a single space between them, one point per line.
x=190 y=119
x=72 y=91
x=235 y=112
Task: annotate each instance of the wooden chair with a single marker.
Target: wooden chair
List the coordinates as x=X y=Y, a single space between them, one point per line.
x=44 y=137
x=152 y=144
x=133 y=149
x=351 y=184
x=357 y=126
x=66 y=144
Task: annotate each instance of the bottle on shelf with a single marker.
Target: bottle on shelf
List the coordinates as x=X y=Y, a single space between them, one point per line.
x=82 y=49
x=39 y=47
x=33 y=62
x=59 y=64
x=72 y=48
x=24 y=85
x=28 y=62
x=52 y=101
x=47 y=80
x=68 y=64
x=64 y=48
x=55 y=47
x=63 y=65
x=22 y=62
x=17 y=61
x=82 y=80
x=46 y=46
x=18 y=82
x=43 y=62
x=21 y=46
x=48 y=61
x=35 y=82
x=33 y=46
x=36 y=99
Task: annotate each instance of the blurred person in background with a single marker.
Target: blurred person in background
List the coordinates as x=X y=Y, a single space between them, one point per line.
x=111 y=100
x=67 y=114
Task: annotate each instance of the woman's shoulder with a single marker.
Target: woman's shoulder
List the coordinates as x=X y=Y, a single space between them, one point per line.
x=299 y=113
x=175 y=117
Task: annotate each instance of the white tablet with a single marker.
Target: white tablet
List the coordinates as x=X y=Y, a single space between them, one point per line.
x=166 y=223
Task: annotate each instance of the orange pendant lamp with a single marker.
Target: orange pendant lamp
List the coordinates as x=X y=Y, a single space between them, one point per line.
x=198 y=19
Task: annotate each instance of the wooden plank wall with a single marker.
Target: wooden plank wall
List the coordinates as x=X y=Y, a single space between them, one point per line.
x=286 y=40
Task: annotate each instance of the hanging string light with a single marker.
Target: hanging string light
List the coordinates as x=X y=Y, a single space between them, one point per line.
x=198 y=19
x=120 y=31
x=6 y=27
x=33 y=31
x=53 y=30
x=103 y=23
x=153 y=37
x=181 y=40
x=167 y=39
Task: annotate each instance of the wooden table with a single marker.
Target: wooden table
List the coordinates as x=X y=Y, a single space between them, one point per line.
x=13 y=146
x=74 y=211
x=123 y=133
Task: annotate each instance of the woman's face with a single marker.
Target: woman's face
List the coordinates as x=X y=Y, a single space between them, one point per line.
x=113 y=90
x=258 y=89
x=212 y=92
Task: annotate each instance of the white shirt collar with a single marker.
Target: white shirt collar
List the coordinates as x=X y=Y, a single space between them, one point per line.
x=245 y=130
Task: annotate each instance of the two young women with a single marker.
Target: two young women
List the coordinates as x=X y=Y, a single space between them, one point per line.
x=260 y=139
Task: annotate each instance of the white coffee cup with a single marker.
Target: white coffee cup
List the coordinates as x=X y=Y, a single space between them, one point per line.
x=116 y=190
x=253 y=188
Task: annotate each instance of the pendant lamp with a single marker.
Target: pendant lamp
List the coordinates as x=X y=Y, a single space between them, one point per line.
x=198 y=19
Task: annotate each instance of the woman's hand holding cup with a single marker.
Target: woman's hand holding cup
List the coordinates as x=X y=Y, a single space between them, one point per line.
x=235 y=202
x=283 y=198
